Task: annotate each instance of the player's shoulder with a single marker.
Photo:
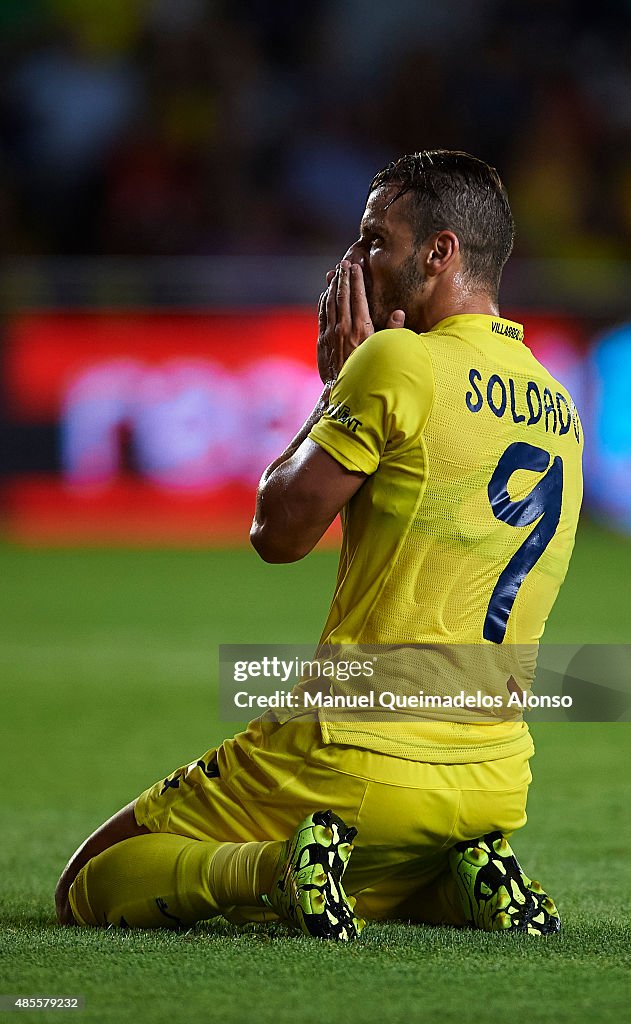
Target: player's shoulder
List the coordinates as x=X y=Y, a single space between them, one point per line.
x=394 y=346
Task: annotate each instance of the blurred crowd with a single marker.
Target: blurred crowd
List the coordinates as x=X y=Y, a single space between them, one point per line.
x=249 y=127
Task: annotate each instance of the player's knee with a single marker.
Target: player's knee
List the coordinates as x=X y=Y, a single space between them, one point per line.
x=62 y=902
x=62 y=908
x=64 y=914
x=120 y=826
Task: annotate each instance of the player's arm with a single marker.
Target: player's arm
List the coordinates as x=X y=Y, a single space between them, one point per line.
x=298 y=501
x=303 y=490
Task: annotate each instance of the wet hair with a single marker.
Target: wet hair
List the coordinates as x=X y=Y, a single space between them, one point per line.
x=457 y=192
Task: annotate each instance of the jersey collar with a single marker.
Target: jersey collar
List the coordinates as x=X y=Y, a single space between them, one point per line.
x=495 y=325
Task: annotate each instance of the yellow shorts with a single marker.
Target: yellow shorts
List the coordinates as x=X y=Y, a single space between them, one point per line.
x=263 y=782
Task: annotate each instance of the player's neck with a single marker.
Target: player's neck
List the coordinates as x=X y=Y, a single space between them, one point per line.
x=455 y=302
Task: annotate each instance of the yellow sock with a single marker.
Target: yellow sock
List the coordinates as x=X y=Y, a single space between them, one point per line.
x=241 y=872
x=167 y=881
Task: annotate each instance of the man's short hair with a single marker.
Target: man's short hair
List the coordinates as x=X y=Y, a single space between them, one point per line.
x=457 y=192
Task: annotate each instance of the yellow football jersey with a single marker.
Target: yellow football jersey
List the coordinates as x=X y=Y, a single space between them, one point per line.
x=463 y=530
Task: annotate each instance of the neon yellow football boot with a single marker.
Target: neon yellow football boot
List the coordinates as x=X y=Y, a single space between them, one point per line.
x=495 y=893
x=307 y=889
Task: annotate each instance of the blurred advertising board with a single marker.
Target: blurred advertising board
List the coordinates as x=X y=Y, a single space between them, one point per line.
x=154 y=428
x=162 y=424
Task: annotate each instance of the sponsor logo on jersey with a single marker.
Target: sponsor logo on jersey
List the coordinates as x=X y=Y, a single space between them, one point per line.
x=343 y=414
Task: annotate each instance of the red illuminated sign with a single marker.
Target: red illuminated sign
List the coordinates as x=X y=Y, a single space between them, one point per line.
x=166 y=421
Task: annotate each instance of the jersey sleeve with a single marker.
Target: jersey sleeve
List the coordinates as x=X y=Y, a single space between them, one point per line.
x=380 y=401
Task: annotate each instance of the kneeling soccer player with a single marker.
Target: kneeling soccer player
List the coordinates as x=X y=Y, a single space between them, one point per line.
x=455 y=459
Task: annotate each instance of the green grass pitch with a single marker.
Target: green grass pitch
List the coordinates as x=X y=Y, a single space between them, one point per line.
x=108 y=662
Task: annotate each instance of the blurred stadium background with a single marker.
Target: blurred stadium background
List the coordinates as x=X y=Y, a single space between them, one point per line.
x=175 y=180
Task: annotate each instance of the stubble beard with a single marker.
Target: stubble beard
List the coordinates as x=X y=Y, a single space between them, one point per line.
x=402 y=294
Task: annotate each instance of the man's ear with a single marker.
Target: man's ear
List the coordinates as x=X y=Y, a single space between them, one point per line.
x=442 y=249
